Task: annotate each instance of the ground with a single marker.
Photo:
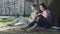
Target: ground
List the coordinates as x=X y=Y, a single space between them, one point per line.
x=17 y=30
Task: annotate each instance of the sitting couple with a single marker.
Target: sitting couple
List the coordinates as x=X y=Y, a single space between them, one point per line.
x=42 y=19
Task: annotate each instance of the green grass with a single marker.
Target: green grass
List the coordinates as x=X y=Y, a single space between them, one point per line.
x=26 y=16
x=8 y=19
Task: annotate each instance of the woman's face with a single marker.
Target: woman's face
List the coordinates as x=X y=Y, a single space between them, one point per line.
x=41 y=8
x=33 y=8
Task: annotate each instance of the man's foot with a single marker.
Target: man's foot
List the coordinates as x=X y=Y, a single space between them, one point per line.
x=9 y=25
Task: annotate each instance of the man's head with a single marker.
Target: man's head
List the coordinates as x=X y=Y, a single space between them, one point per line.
x=33 y=7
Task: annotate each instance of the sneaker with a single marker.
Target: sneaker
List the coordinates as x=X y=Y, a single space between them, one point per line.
x=9 y=25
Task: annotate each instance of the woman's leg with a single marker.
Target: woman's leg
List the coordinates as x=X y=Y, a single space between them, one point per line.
x=31 y=25
x=43 y=23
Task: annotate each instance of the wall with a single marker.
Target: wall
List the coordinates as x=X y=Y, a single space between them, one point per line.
x=55 y=7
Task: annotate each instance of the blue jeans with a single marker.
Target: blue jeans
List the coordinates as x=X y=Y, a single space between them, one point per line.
x=22 y=20
x=40 y=22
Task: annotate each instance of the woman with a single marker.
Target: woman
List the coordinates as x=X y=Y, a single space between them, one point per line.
x=45 y=15
x=26 y=21
x=43 y=19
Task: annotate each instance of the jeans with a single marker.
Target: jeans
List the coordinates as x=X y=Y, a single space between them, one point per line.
x=22 y=20
x=40 y=22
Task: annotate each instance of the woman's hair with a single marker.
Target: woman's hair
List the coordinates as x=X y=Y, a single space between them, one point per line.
x=34 y=5
x=43 y=5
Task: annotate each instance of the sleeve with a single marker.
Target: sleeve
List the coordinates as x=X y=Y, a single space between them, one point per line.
x=45 y=14
x=35 y=14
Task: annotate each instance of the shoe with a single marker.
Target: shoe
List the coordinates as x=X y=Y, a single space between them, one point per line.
x=25 y=28
x=9 y=25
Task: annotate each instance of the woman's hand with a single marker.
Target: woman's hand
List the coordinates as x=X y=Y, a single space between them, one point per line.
x=39 y=14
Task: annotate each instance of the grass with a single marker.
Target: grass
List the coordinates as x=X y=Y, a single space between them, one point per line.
x=23 y=32
x=10 y=19
x=27 y=17
x=7 y=19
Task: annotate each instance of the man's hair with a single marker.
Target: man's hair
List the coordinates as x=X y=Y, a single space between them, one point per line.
x=34 y=5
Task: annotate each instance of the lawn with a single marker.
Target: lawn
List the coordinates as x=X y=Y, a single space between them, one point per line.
x=7 y=19
x=10 y=19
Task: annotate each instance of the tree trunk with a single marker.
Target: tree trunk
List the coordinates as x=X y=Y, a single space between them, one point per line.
x=55 y=9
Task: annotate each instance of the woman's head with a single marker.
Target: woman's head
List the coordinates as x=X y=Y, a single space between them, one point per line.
x=42 y=7
x=33 y=7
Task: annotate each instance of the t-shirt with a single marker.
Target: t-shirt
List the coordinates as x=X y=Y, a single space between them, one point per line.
x=46 y=13
x=33 y=14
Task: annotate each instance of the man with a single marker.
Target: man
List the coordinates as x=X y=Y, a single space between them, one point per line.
x=24 y=20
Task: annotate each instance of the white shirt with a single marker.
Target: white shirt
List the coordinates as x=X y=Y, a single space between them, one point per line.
x=45 y=14
x=34 y=14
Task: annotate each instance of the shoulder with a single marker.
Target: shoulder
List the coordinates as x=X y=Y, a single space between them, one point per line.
x=48 y=10
x=36 y=11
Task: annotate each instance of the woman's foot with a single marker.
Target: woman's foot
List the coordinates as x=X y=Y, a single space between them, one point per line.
x=25 y=28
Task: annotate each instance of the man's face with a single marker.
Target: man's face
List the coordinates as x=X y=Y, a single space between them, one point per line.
x=33 y=8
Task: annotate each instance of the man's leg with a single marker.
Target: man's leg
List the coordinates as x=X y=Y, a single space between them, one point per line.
x=24 y=21
x=14 y=22
x=20 y=19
